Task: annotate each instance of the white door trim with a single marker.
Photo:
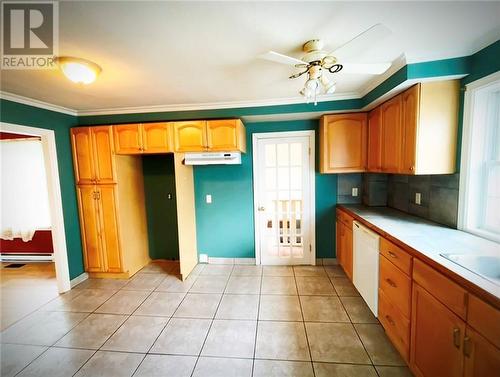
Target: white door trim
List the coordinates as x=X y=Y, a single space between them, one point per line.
x=55 y=201
x=312 y=186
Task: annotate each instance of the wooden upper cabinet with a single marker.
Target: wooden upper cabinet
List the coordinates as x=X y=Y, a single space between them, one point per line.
x=392 y=135
x=374 y=162
x=410 y=100
x=93 y=155
x=437 y=336
x=128 y=138
x=156 y=138
x=190 y=136
x=343 y=139
x=226 y=135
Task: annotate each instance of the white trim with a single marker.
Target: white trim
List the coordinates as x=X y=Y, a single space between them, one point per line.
x=36 y=103
x=27 y=257
x=55 y=201
x=312 y=187
x=79 y=279
x=468 y=116
x=244 y=261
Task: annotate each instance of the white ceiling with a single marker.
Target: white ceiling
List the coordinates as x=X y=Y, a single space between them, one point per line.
x=186 y=53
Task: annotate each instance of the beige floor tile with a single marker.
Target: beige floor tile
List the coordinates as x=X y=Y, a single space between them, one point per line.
x=92 y=332
x=160 y=268
x=111 y=364
x=14 y=357
x=217 y=269
x=344 y=287
x=87 y=301
x=378 y=346
x=57 y=362
x=243 y=285
x=323 y=309
x=358 y=311
x=309 y=271
x=219 y=367
x=166 y=365
x=277 y=271
x=182 y=337
x=280 y=308
x=385 y=371
x=335 y=342
x=198 y=305
x=282 y=341
x=314 y=285
x=137 y=334
x=335 y=271
x=275 y=368
x=161 y=304
x=230 y=338
x=111 y=284
x=238 y=307
x=243 y=270
x=42 y=328
x=209 y=284
x=144 y=282
x=174 y=284
x=278 y=285
x=343 y=370
x=123 y=302
x=197 y=269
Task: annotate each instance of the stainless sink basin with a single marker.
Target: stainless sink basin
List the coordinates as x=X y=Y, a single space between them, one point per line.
x=487 y=266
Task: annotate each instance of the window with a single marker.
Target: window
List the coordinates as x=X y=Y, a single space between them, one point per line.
x=479 y=208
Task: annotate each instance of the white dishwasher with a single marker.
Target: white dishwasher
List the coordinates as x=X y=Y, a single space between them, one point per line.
x=365 y=264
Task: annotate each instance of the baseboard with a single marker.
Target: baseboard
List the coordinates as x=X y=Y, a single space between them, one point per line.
x=250 y=261
x=326 y=261
x=79 y=279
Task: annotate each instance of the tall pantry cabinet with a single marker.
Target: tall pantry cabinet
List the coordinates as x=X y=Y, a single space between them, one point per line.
x=113 y=236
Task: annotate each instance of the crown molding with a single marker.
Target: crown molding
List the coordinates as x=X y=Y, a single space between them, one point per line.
x=36 y=103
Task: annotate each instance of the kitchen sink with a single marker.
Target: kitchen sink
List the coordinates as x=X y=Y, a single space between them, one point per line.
x=487 y=266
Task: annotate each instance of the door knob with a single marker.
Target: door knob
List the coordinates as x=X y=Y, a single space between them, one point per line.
x=261 y=208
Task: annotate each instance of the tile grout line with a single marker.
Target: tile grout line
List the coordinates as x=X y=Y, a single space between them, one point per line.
x=257 y=320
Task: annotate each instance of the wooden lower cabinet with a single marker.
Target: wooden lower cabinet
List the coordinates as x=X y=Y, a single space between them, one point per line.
x=106 y=200
x=481 y=357
x=437 y=336
x=396 y=325
x=344 y=243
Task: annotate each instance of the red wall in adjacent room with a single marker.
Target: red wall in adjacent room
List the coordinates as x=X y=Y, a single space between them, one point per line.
x=40 y=244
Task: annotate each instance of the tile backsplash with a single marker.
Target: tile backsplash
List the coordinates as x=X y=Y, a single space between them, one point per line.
x=345 y=184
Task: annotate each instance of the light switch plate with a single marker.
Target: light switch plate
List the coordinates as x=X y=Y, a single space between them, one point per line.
x=354 y=191
x=418 y=198
x=209 y=199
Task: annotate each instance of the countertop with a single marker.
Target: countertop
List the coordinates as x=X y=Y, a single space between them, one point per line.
x=426 y=240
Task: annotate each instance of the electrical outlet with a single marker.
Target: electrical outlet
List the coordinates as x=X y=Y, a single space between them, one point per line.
x=354 y=191
x=203 y=258
x=209 y=199
x=418 y=198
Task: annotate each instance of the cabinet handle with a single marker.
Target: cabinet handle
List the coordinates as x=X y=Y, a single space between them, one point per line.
x=467 y=346
x=412 y=168
x=390 y=282
x=456 y=337
x=389 y=319
x=392 y=254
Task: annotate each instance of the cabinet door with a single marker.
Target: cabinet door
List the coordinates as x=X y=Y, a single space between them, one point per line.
x=156 y=138
x=348 y=252
x=481 y=357
x=339 y=248
x=343 y=143
x=128 y=139
x=392 y=136
x=190 y=136
x=436 y=337
x=89 y=223
x=109 y=228
x=102 y=142
x=222 y=135
x=410 y=112
x=374 y=141
x=83 y=158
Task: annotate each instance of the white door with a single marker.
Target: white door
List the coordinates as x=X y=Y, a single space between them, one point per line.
x=284 y=197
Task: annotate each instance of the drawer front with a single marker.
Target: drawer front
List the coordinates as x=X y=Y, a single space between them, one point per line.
x=485 y=319
x=441 y=287
x=395 y=324
x=345 y=218
x=395 y=285
x=396 y=255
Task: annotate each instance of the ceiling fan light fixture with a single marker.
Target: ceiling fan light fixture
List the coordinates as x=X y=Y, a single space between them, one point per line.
x=78 y=70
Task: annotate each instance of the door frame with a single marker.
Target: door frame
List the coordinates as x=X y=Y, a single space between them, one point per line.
x=55 y=201
x=312 y=186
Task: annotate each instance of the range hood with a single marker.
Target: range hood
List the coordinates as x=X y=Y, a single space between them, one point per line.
x=213 y=158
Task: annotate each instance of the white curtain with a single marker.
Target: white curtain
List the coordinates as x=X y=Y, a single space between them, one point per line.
x=25 y=204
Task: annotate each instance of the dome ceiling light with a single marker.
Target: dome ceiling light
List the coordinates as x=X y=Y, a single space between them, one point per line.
x=78 y=70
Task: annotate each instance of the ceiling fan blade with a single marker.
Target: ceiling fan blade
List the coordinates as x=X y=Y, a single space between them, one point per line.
x=280 y=58
x=361 y=42
x=367 y=69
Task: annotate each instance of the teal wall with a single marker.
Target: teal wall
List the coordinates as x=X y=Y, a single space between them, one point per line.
x=16 y=113
x=159 y=181
x=225 y=228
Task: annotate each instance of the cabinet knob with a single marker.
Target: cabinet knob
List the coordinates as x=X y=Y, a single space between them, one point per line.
x=390 y=282
x=456 y=337
x=467 y=346
x=392 y=254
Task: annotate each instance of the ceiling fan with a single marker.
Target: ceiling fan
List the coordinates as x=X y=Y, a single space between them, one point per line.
x=319 y=64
